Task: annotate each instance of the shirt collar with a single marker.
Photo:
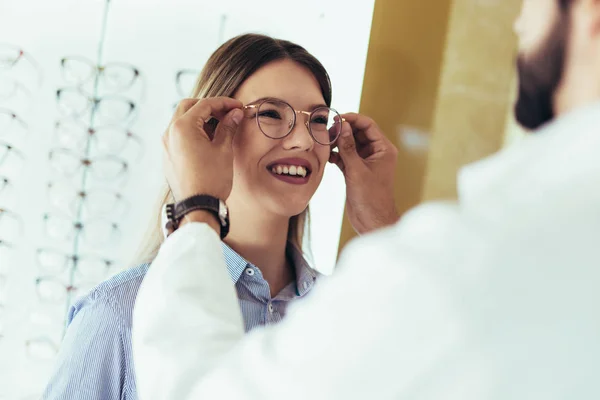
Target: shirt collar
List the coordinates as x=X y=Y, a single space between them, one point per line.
x=236 y=264
x=305 y=275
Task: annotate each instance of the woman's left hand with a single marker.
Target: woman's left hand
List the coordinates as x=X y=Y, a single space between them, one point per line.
x=368 y=161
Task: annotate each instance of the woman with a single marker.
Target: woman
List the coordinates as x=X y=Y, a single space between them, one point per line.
x=276 y=172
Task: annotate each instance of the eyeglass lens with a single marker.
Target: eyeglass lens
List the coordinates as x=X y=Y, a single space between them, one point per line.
x=276 y=120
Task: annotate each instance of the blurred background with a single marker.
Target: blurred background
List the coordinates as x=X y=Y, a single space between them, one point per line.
x=80 y=177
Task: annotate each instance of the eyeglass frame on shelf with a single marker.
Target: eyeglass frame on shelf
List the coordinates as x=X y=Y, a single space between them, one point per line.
x=93 y=102
x=86 y=162
x=11 y=214
x=41 y=339
x=100 y=69
x=15 y=118
x=178 y=76
x=77 y=227
x=22 y=55
x=81 y=196
x=91 y=132
x=70 y=260
x=5 y=182
x=67 y=288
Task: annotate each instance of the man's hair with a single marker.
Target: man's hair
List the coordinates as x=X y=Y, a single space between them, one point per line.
x=564 y=4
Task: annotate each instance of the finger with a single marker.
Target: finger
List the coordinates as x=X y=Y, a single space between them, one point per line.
x=363 y=149
x=366 y=151
x=183 y=106
x=366 y=130
x=358 y=121
x=334 y=158
x=216 y=107
x=347 y=147
x=228 y=127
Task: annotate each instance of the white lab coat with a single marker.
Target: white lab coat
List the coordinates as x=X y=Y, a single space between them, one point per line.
x=495 y=297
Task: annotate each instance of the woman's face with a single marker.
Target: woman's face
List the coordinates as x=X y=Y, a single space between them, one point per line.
x=258 y=159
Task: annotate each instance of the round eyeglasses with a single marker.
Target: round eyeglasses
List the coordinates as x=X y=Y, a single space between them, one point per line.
x=276 y=120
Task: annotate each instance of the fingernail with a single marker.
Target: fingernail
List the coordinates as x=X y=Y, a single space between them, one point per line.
x=237 y=116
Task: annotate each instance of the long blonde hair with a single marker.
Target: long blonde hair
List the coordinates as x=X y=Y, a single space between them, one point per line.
x=225 y=71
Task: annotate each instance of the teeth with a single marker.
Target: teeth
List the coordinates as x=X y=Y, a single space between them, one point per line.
x=292 y=170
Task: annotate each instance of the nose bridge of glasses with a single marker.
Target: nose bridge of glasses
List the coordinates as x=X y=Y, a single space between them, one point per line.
x=307 y=133
x=300 y=113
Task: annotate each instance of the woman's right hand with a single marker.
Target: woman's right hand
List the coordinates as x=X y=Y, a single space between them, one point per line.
x=194 y=162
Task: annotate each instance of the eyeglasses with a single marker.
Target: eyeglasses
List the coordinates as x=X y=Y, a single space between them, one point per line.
x=41 y=348
x=97 y=203
x=51 y=290
x=55 y=262
x=11 y=225
x=6 y=149
x=104 y=168
x=10 y=121
x=10 y=55
x=72 y=102
x=107 y=139
x=96 y=232
x=4 y=184
x=276 y=120
x=115 y=76
x=185 y=80
x=5 y=257
x=11 y=159
x=13 y=90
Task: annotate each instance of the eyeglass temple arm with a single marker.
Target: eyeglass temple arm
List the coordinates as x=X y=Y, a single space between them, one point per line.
x=296 y=111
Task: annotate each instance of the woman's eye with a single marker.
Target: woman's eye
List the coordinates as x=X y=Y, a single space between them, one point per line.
x=319 y=120
x=269 y=114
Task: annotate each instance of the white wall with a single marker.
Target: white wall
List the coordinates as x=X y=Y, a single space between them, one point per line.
x=159 y=37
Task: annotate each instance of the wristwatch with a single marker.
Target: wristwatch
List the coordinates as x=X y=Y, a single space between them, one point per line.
x=174 y=213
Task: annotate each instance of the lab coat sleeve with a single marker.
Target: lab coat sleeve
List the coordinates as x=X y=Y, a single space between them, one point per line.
x=186 y=314
x=353 y=337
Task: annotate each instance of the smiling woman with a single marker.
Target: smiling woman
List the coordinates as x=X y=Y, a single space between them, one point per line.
x=280 y=150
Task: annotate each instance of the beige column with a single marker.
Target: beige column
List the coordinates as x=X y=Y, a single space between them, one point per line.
x=475 y=93
x=401 y=81
x=438 y=81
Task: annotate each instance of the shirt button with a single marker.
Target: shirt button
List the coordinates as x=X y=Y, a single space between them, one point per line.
x=305 y=284
x=249 y=271
x=271 y=308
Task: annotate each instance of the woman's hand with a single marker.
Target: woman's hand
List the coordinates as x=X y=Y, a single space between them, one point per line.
x=368 y=161
x=196 y=160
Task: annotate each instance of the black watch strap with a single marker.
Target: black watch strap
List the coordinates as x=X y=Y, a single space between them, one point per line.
x=176 y=212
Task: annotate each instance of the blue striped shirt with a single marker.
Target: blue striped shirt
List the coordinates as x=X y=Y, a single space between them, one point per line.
x=95 y=361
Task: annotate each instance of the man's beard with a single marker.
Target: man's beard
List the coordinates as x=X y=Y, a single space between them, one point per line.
x=540 y=74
